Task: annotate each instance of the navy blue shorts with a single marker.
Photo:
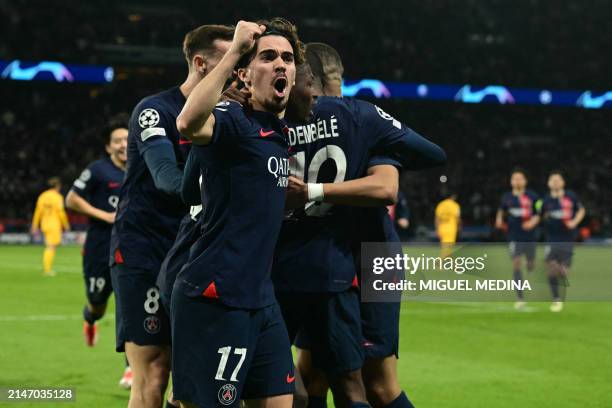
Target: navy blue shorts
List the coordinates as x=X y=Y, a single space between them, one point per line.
x=177 y=256
x=562 y=252
x=330 y=319
x=380 y=325
x=140 y=317
x=98 y=285
x=522 y=248
x=221 y=355
x=380 y=328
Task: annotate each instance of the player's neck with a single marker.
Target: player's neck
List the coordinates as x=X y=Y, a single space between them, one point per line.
x=192 y=80
x=118 y=163
x=557 y=193
x=333 y=88
x=259 y=107
x=518 y=191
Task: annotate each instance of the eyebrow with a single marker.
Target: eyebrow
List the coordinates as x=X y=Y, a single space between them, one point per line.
x=275 y=51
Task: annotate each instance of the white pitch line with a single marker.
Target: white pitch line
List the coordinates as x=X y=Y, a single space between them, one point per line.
x=470 y=308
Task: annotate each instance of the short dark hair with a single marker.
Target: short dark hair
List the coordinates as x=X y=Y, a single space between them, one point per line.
x=118 y=121
x=518 y=169
x=557 y=172
x=203 y=37
x=54 y=182
x=325 y=62
x=282 y=27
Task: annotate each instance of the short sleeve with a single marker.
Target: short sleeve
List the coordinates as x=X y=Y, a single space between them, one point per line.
x=229 y=117
x=535 y=207
x=542 y=206
x=85 y=184
x=577 y=203
x=503 y=203
x=382 y=160
x=388 y=136
x=150 y=125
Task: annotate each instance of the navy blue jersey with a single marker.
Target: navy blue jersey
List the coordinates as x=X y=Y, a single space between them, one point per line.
x=245 y=172
x=557 y=213
x=99 y=184
x=519 y=209
x=314 y=253
x=147 y=218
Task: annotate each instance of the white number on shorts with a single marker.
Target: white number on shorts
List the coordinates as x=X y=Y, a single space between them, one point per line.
x=96 y=284
x=151 y=305
x=225 y=352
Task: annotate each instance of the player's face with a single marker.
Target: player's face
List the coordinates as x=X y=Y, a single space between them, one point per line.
x=117 y=146
x=518 y=181
x=556 y=182
x=271 y=74
x=301 y=96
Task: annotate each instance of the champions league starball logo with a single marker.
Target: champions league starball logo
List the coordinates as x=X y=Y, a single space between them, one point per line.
x=227 y=394
x=152 y=324
x=148 y=118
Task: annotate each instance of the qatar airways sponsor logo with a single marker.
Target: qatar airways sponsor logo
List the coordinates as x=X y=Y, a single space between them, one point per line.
x=559 y=214
x=311 y=132
x=519 y=212
x=279 y=168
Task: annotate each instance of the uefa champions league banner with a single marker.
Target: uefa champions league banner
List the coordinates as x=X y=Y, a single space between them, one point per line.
x=482 y=272
x=55 y=71
x=495 y=94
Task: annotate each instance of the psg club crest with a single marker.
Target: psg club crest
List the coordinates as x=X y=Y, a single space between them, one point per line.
x=152 y=325
x=148 y=118
x=227 y=394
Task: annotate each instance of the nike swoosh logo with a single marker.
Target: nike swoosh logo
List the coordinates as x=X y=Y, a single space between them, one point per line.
x=265 y=134
x=184 y=142
x=290 y=379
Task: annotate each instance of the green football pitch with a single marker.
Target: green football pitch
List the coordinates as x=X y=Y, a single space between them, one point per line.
x=451 y=354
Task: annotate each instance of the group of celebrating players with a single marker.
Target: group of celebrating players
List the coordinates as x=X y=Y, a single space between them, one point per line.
x=284 y=179
x=247 y=192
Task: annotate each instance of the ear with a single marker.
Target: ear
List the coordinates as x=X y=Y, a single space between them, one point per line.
x=199 y=64
x=107 y=148
x=244 y=74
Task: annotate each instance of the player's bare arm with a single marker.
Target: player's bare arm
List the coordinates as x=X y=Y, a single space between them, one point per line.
x=531 y=223
x=195 y=120
x=378 y=188
x=499 y=219
x=574 y=222
x=77 y=203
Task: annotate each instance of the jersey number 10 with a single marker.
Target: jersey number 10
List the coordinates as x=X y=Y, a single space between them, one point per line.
x=297 y=164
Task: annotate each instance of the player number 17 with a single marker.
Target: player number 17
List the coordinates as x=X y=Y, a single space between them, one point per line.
x=225 y=352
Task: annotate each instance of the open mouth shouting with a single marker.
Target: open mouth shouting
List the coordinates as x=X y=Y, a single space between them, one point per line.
x=280 y=86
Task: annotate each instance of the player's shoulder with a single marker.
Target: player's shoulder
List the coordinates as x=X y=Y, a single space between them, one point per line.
x=230 y=107
x=150 y=109
x=99 y=164
x=507 y=195
x=334 y=105
x=159 y=100
x=571 y=195
x=532 y=194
